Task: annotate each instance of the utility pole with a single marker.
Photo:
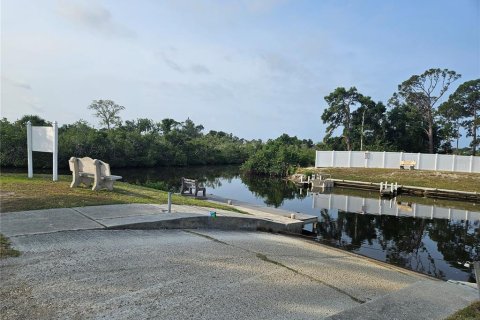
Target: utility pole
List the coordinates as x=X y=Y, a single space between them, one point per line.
x=363 y=123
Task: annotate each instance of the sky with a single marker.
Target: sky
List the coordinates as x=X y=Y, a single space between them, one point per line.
x=254 y=68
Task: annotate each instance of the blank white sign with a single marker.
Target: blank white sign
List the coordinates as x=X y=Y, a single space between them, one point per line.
x=42 y=139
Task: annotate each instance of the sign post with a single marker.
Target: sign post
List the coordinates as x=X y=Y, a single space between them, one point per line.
x=29 y=147
x=43 y=139
x=55 y=151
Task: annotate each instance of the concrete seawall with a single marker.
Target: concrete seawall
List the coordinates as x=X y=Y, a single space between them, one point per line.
x=219 y=222
x=142 y=216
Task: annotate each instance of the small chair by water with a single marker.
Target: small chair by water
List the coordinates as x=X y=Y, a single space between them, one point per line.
x=190 y=184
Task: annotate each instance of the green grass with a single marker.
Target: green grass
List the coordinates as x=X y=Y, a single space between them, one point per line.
x=18 y=193
x=5 y=249
x=472 y=312
x=418 y=178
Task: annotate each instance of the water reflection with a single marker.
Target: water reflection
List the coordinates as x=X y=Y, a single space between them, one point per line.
x=225 y=181
x=392 y=207
x=434 y=240
x=211 y=176
x=273 y=191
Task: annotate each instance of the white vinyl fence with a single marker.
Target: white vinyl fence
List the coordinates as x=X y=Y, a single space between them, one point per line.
x=424 y=161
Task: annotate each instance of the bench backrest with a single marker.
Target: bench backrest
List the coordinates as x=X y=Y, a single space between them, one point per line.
x=88 y=165
x=189 y=182
x=408 y=162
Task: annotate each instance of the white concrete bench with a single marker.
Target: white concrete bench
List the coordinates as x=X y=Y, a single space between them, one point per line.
x=91 y=171
x=408 y=163
x=189 y=184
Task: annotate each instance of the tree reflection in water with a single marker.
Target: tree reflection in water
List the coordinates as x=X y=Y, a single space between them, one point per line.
x=423 y=245
x=273 y=190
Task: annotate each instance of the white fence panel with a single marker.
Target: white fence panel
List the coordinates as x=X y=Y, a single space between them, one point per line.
x=358 y=159
x=342 y=159
x=445 y=162
x=425 y=161
x=324 y=159
x=410 y=157
x=462 y=164
x=392 y=159
x=375 y=160
x=476 y=164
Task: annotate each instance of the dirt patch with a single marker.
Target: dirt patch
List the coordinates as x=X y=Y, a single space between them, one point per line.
x=6 y=194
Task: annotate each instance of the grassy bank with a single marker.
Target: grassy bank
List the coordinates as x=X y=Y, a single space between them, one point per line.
x=430 y=179
x=5 y=249
x=472 y=312
x=18 y=193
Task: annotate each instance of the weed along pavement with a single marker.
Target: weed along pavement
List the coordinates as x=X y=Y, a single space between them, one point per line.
x=87 y=270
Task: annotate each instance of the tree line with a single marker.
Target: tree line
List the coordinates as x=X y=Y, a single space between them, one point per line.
x=133 y=143
x=414 y=120
x=146 y=143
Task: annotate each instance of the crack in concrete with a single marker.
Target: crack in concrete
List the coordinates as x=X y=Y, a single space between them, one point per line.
x=86 y=216
x=263 y=257
x=277 y=263
x=208 y=237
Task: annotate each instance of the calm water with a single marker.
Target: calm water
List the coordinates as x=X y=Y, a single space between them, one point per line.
x=433 y=237
x=438 y=238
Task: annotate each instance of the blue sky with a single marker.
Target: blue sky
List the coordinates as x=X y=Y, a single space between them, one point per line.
x=254 y=68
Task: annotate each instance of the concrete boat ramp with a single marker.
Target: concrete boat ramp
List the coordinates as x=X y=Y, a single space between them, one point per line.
x=72 y=267
x=145 y=216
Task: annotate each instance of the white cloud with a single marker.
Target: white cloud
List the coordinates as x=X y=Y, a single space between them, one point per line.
x=94 y=17
x=199 y=69
x=17 y=83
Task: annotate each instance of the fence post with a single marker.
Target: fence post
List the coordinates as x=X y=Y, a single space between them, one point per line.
x=453 y=162
x=471 y=163
x=436 y=161
x=350 y=158
x=333 y=158
x=383 y=160
x=419 y=157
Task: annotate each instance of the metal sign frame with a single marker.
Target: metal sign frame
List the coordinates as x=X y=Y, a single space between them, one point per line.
x=43 y=139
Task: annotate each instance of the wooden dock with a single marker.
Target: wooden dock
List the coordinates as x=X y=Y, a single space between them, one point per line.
x=396 y=190
x=411 y=190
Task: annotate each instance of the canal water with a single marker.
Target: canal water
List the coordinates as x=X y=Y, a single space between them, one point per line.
x=434 y=237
